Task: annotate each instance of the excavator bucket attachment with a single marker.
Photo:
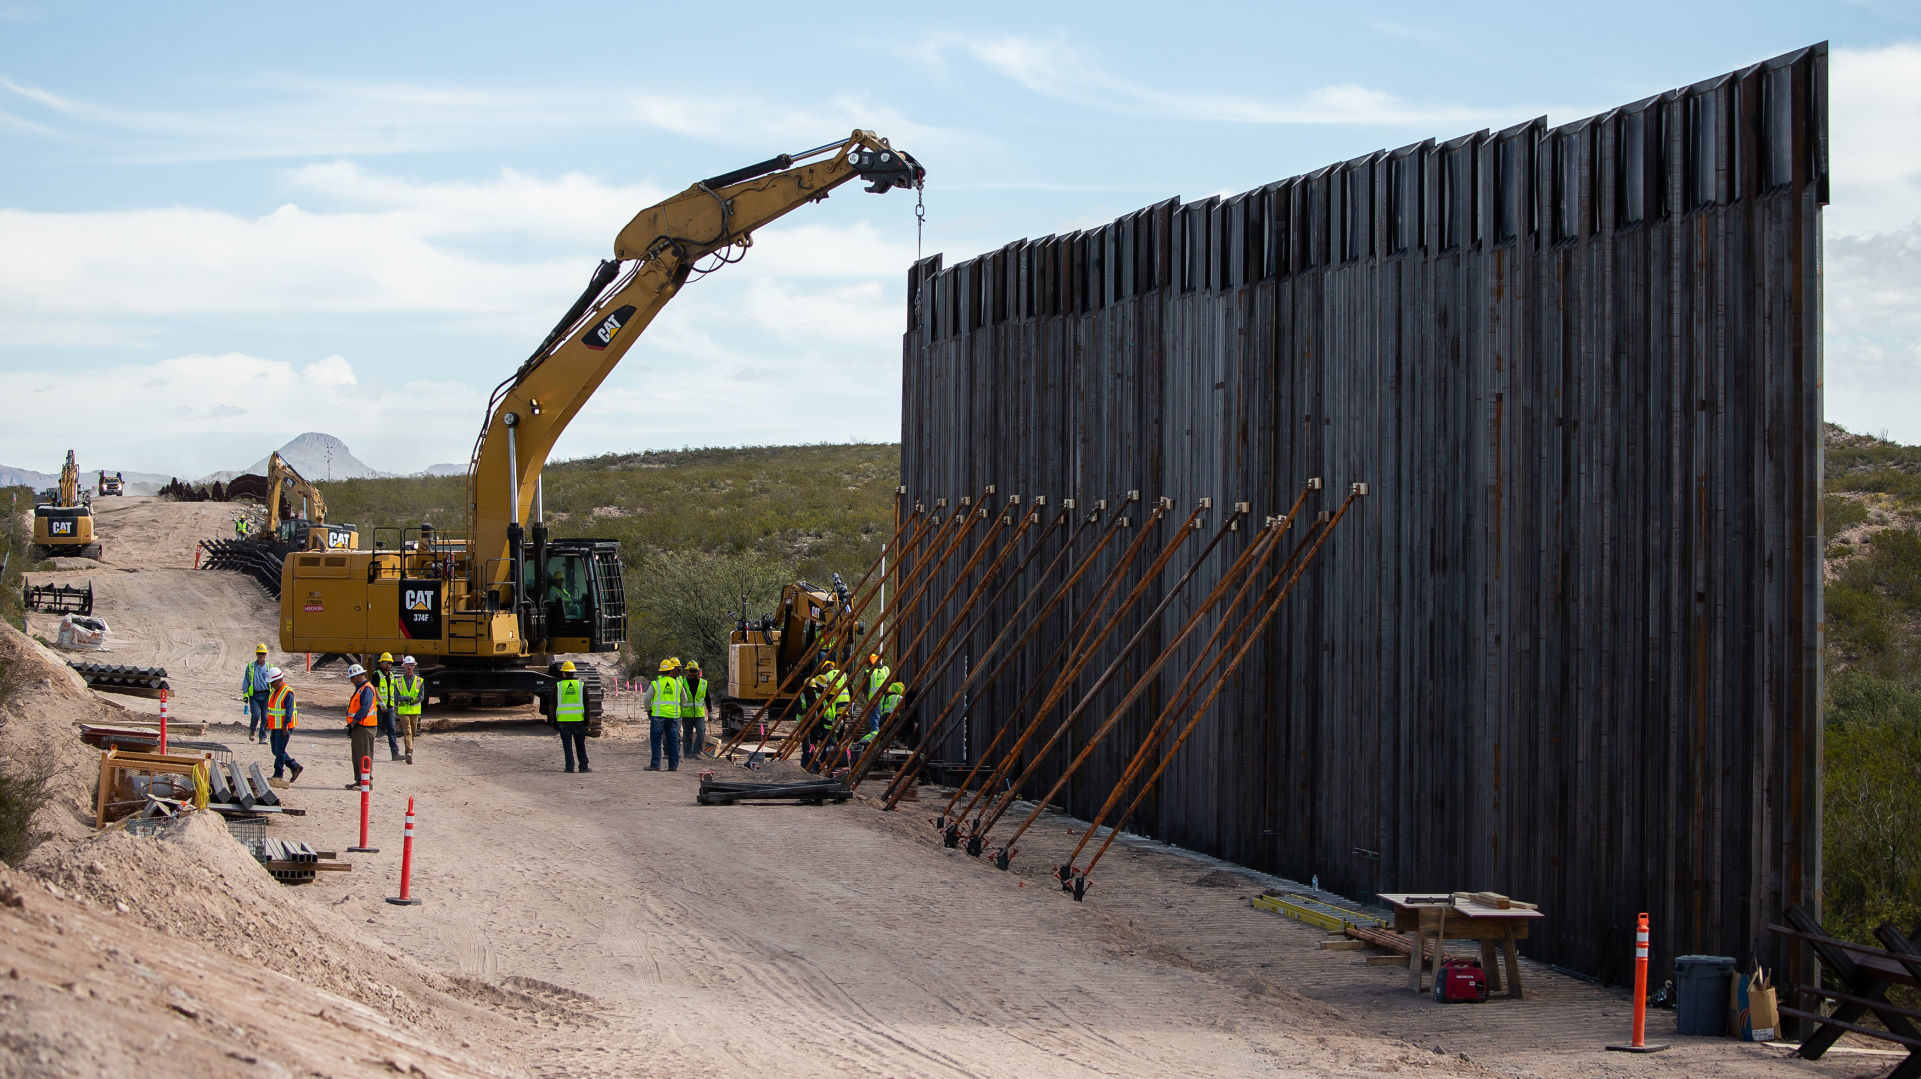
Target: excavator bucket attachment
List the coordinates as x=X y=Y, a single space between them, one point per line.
x=60 y=598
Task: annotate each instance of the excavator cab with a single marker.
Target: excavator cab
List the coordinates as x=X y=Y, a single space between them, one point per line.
x=578 y=594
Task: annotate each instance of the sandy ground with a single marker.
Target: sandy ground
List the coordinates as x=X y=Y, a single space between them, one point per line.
x=605 y=925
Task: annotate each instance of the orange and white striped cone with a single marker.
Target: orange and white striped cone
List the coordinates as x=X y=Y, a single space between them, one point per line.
x=366 y=805
x=405 y=898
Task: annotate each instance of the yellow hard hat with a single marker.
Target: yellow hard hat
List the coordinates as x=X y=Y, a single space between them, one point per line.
x=827 y=664
x=260 y=649
x=386 y=657
x=668 y=664
x=567 y=667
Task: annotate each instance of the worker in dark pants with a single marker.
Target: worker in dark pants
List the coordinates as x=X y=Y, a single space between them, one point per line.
x=570 y=716
x=663 y=731
x=283 y=715
x=363 y=714
x=384 y=682
x=253 y=693
x=693 y=711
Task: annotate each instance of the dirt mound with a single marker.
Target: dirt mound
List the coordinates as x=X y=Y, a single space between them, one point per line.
x=198 y=883
x=41 y=699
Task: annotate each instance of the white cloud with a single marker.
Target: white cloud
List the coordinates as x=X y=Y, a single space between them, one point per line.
x=1059 y=69
x=1873 y=338
x=305 y=118
x=1874 y=138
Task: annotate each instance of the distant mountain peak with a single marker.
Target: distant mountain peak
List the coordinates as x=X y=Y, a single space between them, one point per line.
x=320 y=456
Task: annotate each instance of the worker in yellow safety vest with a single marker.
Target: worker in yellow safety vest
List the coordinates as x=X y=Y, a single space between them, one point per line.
x=408 y=690
x=253 y=693
x=693 y=711
x=663 y=728
x=283 y=715
x=570 y=715
x=363 y=714
x=889 y=702
x=383 y=680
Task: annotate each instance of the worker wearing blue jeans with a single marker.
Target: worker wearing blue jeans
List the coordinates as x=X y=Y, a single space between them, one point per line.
x=663 y=729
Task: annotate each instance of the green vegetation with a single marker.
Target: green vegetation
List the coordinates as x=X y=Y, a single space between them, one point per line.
x=697 y=528
x=15 y=548
x=1872 y=771
x=24 y=789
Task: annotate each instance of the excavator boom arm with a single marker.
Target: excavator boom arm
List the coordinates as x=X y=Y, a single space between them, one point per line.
x=653 y=257
x=283 y=477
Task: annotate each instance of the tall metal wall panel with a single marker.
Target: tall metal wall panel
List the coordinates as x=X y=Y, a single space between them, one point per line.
x=1569 y=648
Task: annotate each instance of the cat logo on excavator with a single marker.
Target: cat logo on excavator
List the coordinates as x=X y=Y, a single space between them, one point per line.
x=603 y=335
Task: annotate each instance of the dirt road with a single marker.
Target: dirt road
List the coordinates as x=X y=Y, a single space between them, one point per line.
x=673 y=939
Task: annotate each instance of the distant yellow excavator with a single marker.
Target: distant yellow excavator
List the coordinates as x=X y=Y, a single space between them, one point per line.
x=65 y=525
x=298 y=513
x=487 y=612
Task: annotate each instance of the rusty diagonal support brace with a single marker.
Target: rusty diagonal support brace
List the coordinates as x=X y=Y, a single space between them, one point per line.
x=786 y=683
x=1085 y=655
x=1190 y=686
x=1120 y=660
x=1142 y=682
x=1084 y=624
x=859 y=767
x=911 y=769
x=962 y=514
x=1355 y=491
x=819 y=708
x=800 y=671
x=858 y=665
x=1077 y=648
x=843 y=743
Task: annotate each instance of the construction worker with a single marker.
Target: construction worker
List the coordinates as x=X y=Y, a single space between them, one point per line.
x=663 y=729
x=570 y=715
x=363 y=714
x=253 y=693
x=830 y=686
x=283 y=715
x=408 y=690
x=693 y=711
x=889 y=702
x=383 y=680
x=240 y=528
x=878 y=675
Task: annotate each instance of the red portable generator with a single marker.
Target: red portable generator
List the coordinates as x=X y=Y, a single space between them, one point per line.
x=1461 y=981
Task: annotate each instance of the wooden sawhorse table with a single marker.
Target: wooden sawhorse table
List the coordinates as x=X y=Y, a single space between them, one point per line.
x=1446 y=919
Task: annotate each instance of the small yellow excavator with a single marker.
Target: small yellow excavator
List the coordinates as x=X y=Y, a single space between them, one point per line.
x=488 y=612
x=64 y=526
x=298 y=513
x=761 y=656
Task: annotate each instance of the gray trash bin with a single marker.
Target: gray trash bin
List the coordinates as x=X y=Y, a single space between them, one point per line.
x=1701 y=984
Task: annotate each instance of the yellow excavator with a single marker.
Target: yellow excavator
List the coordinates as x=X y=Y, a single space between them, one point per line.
x=64 y=526
x=760 y=656
x=487 y=612
x=299 y=514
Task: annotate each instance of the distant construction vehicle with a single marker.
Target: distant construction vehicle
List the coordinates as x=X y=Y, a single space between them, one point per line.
x=489 y=612
x=63 y=525
x=761 y=656
x=115 y=484
x=297 y=514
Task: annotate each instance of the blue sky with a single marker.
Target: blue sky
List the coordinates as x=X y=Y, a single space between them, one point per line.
x=224 y=224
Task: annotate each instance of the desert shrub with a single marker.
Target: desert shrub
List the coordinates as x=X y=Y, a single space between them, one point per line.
x=1872 y=805
x=23 y=791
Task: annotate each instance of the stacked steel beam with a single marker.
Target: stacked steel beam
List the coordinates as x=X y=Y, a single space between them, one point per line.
x=121 y=678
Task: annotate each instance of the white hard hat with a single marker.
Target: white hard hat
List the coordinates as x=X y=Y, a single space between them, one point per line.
x=407 y=661
x=274 y=675
x=356 y=669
